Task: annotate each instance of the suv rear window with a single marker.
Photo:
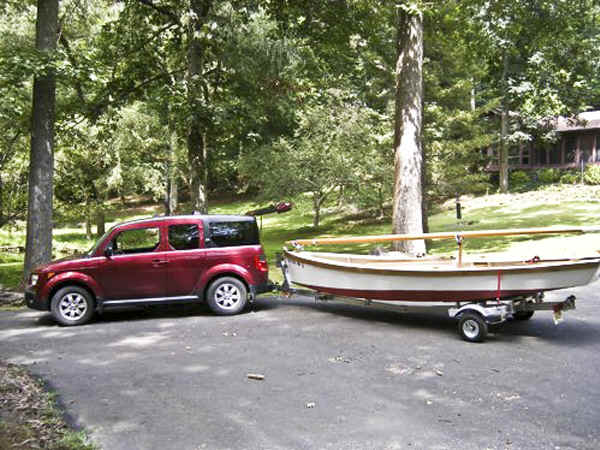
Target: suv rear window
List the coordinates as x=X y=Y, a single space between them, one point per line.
x=231 y=234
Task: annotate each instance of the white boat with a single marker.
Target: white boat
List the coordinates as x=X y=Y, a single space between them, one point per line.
x=435 y=279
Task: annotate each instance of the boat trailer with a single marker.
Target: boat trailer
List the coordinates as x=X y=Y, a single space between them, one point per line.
x=474 y=318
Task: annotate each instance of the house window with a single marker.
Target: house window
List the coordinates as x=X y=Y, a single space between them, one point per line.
x=539 y=155
x=514 y=156
x=570 y=148
x=555 y=153
x=586 y=144
x=525 y=154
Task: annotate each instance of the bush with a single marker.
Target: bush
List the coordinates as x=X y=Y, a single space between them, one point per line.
x=548 y=176
x=519 y=180
x=570 y=177
x=591 y=175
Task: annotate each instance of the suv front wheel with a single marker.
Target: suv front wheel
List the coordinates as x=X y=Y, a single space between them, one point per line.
x=72 y=305
x=227 y=296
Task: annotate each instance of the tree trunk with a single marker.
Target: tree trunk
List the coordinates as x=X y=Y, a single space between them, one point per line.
x=317 y=200
x=503 y=150
x=38 y=247
x=100 y=221
x=473 y=102
x=196 y=140
x=380 y=202
x=88 y=219
x=408 y=183
x=197 y=161
x=171 y=177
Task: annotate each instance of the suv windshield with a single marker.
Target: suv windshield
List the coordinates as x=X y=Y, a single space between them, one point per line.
x=92 y=250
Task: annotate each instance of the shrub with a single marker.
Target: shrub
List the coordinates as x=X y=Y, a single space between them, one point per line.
x=519 y=180
x=570 y=177
x=591 y=175
x=548 y=176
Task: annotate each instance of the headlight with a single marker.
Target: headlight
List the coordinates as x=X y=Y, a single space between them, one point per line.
x=34 y=279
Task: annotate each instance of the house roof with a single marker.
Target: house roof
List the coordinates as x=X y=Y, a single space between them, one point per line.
x=584 y=121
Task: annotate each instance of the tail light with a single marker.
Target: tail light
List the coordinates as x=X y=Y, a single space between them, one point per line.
x=260 y=262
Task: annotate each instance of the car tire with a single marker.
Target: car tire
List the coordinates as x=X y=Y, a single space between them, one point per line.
x=72 y=305
x=227 y=296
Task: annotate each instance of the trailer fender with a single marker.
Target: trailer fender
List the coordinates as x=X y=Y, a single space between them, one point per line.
x=496 y=313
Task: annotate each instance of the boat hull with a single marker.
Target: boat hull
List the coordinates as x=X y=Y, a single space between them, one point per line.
x=433 y=281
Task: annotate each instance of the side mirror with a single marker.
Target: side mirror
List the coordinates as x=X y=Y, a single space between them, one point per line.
x=108 y=251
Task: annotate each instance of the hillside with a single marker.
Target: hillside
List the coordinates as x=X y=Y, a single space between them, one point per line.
x=553 y=205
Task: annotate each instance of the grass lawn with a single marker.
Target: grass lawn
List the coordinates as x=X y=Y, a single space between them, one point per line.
x=568 y=205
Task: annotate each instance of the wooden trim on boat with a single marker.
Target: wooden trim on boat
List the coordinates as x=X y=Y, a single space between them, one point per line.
x=442 y=272
x=444 y=235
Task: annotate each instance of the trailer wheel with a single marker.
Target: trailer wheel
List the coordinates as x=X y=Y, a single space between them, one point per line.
x=472 y=327
x=523 y=315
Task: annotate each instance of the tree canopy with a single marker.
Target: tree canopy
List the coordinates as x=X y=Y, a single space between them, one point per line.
x=193 y=98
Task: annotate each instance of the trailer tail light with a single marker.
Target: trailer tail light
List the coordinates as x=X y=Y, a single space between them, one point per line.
x=260 y=262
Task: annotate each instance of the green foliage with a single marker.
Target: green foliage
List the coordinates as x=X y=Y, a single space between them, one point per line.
x=334 y=147
x=264 y=94
x=570 y=177
x=18 y=61
x=455 y=161
x=519 y=180
x=548 y=175
x=591 y=174
x=455 y=129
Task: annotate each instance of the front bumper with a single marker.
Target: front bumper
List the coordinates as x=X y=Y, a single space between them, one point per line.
x=34 y=302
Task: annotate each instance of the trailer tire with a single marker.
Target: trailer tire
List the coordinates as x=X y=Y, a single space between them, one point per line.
x=472 y=327
x=523 y=315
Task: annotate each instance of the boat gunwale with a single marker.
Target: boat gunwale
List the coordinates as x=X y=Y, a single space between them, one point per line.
x=572 y=264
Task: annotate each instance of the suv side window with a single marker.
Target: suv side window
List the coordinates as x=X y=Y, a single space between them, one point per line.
x=232 y=234
x=184 y=236
x=139 y=240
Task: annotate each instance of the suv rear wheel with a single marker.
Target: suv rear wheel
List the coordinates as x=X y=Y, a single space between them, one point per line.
x=227 y=296
x=72 y=305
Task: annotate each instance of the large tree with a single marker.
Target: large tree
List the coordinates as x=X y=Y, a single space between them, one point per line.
x=408 y=149
x=38 y=248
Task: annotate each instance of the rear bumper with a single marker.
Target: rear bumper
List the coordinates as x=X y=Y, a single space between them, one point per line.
x=257 y=289
x=34 y=302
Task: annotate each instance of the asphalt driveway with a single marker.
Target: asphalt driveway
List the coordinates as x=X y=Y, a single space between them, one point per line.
x=335 y=376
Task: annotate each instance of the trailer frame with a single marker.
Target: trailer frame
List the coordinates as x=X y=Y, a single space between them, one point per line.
x=474 y=317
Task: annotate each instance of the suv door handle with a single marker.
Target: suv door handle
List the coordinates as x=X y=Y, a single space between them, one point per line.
x=159 y=262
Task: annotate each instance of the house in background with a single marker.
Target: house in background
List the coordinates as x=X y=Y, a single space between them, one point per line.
x=578 y=144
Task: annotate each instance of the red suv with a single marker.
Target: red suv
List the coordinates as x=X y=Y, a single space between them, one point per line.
x=153 y=261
